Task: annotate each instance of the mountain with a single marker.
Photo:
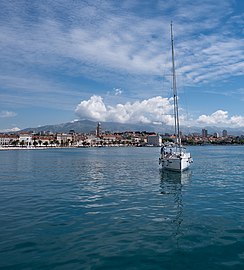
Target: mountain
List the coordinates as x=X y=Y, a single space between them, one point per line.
x=87 y=126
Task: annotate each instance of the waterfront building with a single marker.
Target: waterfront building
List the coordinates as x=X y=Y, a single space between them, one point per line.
x=155 y=140
x=25 y=138
x=43 y=140
x=8 y=139
x=224 y=133
x=98 y=129
x=64 y=139
x=204 y=133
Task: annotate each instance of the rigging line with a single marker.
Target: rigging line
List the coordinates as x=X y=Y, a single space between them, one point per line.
x=176 y=110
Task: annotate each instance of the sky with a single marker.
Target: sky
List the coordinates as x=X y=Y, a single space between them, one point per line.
x=109 y=60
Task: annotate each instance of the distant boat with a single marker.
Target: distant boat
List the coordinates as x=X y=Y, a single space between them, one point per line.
x=174 y=156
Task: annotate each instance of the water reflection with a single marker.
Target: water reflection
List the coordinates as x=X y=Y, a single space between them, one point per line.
x=171 y=185
x=175 y=177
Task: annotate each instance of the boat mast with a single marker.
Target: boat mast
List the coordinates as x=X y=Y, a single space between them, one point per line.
x=176 y=109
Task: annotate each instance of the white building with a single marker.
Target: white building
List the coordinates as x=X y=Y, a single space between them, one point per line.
x=63 y=138
x=155 y=140
x=7 y=139
x=25 y=138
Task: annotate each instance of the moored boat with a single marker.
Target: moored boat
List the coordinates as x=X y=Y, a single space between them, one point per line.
x=174 y=157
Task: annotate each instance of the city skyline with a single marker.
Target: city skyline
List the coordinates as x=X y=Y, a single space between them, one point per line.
x=110 y=61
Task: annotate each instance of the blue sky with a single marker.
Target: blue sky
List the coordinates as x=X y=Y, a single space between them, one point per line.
x=63 y=60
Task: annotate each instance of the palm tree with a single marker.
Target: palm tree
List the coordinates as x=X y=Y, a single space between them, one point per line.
x=35 y=143
x=46 y=143
x=57 y=142
x=68 y=142
x=16 y=142
x=22 y=143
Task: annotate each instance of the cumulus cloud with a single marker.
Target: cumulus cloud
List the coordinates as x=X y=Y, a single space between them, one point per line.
x=15 y=129
x=221 y=118
x=7 y=114
x=153 y=110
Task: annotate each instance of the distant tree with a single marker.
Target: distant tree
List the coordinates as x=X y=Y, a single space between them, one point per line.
x=35 y=143
x=15 y=142
x=22 y=143
x=46 y=143
x=40 y=142
x=57 y=142
x=167 y=140
x=189 y=141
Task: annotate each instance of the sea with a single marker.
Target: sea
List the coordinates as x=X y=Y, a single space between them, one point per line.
x=114 y=208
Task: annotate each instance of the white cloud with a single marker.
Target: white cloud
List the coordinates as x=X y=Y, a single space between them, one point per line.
x=15 y=129
x=75 y=120
x=153 y=110
x=7 y=114
x=115 y=92
x=95 y=42
x=113 y=41
x=118 y=91
x=221 y=118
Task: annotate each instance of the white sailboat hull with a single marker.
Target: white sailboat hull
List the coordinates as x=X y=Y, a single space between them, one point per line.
x=175 y=162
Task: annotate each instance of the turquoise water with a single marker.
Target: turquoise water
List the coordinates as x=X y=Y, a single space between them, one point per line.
x=112 y=208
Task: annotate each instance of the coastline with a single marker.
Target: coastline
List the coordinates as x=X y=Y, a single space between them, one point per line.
x=7 y=148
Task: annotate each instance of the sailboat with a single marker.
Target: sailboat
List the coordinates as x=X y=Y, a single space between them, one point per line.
x=174 y=157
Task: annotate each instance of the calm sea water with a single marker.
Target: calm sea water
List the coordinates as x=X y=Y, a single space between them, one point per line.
x=112 y=208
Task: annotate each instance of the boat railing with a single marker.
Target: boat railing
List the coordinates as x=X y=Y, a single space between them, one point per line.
x=176 y=151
